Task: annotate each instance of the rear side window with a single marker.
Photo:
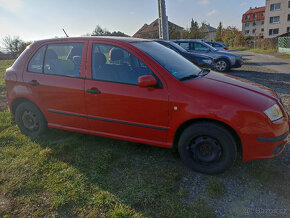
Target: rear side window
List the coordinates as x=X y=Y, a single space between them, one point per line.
x=115 y=64
x=63 y=59
x=36 y=63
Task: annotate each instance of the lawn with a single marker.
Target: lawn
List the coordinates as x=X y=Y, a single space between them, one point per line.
x=74 y=175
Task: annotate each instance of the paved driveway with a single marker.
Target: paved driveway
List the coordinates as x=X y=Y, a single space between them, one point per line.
x=268 y=61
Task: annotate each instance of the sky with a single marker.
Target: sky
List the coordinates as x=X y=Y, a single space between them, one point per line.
x=42 y=19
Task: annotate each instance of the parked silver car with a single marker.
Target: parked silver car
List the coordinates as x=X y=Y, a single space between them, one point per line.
x=225 y=60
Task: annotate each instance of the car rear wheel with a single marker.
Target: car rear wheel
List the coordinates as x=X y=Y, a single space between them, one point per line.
x=30 y=119
x=207 y=148
x=222 y=65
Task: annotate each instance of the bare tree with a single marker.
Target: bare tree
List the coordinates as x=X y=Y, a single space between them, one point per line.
x=14 y=45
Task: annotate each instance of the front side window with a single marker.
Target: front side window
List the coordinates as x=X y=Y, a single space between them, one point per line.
x=63 y=59
x=174 y=63
x=36 y=63
x=199 y=47
x=275 y=7
x=115 y=64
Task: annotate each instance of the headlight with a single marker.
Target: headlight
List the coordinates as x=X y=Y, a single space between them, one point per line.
x=208 y=61
x=274 y=112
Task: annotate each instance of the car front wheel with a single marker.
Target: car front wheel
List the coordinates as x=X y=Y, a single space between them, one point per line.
x=207 y=148
x=222 y=65
x=30 y=119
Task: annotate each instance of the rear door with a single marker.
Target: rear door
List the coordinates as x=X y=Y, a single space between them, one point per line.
x=116 y=105
x=55 y=76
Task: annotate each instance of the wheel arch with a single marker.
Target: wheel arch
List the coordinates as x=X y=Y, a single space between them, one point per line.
x=184 y=125
x=18 y=101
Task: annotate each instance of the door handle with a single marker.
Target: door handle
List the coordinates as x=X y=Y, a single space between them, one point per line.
x=33 y=83
x=94 y=91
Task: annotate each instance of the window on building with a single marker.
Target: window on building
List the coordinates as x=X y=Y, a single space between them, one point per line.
x=288 y=17
x=288 y=29
x=262 y=30
x=247 y=24
x=248 y=17
x=247 y=32
x=263 y=14
x=255 y=15
x=254 y=31
x=273 y=32
x=262 y=22
x=289 y=4
x=275 y=7
x=254 y=23
x=275 y=19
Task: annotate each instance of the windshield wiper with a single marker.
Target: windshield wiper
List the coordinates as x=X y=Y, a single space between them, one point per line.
x=204 y=72
x=188 y=77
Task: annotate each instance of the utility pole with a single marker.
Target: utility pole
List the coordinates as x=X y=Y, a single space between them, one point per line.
x=163 y=20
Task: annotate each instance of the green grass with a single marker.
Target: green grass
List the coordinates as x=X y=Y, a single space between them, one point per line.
x=257 y=50
x=286 y=56
x=74 y=175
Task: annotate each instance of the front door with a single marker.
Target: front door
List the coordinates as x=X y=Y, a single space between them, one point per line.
x=116 y=105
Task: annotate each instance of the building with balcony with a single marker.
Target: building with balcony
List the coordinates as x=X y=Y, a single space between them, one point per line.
x=277 y=18
x=253 y=22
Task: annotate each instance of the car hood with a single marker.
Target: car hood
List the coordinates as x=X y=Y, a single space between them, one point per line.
x=237 y=89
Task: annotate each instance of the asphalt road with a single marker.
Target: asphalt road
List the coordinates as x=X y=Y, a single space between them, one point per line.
x=267 y=61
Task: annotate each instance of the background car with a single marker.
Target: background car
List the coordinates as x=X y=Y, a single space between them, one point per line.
x=203 y=61
x=218 y=45
x=225 y=60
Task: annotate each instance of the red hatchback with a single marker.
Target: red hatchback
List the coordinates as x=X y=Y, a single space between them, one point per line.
x=141 y=91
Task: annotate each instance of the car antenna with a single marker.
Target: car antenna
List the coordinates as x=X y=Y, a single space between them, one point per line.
x=65 y=32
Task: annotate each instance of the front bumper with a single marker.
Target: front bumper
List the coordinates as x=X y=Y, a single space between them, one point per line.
x=267 y=146
x=238 y=63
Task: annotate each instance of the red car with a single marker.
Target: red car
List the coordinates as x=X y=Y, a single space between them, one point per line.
x=140 y=91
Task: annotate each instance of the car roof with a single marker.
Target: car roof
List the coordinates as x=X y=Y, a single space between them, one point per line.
x=109 y=38
x=187 y=40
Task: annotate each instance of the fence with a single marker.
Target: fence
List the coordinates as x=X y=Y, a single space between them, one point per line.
x=284 y=44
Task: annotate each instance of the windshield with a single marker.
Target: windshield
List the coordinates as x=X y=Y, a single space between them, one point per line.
x=173 y=62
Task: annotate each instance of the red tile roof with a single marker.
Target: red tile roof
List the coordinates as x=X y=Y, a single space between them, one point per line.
x=259 y=11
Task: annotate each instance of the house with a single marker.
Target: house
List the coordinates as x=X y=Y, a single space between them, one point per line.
x=253 y=22
x=209 y=32
x=152 y=30
x=277 y=18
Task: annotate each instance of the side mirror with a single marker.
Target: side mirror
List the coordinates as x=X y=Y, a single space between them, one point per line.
x=147 y=81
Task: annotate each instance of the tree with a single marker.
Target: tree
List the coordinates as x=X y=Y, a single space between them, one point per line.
x=219 y=32
x=99 y=31
x=14 y=45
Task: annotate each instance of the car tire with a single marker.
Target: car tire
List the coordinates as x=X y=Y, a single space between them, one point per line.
x=207 y=148
x=30 y=119
x=222 y=65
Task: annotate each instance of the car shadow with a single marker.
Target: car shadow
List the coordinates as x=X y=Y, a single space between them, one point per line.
x=265 y=63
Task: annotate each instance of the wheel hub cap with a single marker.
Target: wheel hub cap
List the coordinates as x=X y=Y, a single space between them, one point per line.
x=30 y=121
x=205 y=149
